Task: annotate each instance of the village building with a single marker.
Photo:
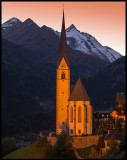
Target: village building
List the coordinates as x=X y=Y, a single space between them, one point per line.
x=117 y=135
x=101 y=115
x=120 y=111
x=73 y=105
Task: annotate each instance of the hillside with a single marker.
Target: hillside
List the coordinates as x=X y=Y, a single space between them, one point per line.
x=104 y=86
x=28 y=152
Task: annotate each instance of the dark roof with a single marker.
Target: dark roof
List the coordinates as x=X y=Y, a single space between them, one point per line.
x=103 y=112
x=116 y=136
x=121 y=95
x=79 y=93
x=121 y=110
x=115 y=131
x=72 y=87
x=63 y=46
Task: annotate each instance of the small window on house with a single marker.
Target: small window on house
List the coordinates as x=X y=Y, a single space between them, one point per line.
x=102 y=115
x=63 y=75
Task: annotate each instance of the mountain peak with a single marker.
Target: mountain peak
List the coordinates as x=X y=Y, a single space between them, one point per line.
x=13 y=20
x=71 y=27
x=29 y=22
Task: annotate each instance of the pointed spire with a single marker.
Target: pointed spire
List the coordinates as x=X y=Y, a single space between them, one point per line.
x=63 y=45
x=79 y=93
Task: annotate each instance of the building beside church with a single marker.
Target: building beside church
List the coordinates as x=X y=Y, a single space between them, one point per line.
x=73 y=108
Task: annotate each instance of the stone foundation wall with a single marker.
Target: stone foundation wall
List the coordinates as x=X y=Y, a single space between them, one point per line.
x=85 y=141
x=78 y=142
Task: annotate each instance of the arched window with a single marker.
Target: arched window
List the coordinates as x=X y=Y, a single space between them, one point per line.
x=63 y=75
x=71 y=131
x=71 y=114
x=79 y=114
x=79 y=131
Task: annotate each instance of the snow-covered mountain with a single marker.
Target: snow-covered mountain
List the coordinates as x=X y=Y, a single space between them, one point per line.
x=86 y=43
x=77 y=40
x=10 y=24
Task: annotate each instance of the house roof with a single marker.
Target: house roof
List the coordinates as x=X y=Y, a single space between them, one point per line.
x=120 y=95
x=103 y=112
x=115 y=131
x=121 y=110
x=116 y=136
x=79 y=93
x=63 y=46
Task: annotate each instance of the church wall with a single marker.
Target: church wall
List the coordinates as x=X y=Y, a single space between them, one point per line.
x=86 y=118
x=78 y=142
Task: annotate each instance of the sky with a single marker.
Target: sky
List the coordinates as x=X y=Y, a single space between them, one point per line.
x=103 y=20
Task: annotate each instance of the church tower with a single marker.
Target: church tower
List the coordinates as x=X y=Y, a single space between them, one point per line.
x=62 y=82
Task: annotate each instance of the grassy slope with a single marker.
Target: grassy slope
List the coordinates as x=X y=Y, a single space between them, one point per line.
x=29 y=152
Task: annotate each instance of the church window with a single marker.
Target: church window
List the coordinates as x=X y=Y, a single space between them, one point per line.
x=63 y=75
x=79 y=114
x=63 y=123
x=79 y=131
x=71 y=113
x=71 y=131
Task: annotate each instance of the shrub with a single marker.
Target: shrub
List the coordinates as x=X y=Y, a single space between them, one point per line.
x=122 y=145
x=40 y=142
x=100 y=144
x=64 y=147
x=8 y=145
x=46 y=150
x=93 y=154
x=122 y=155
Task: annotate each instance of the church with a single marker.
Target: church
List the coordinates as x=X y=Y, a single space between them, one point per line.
x=73 y=108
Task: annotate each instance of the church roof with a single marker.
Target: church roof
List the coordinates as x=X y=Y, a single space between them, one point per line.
x=79 y=93
x=63 y=46
x=72 y=87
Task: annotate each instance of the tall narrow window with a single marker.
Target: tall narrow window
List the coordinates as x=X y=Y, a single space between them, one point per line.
x=63 y=75
x=71 y=114
x=79 y=114
x=79 y=131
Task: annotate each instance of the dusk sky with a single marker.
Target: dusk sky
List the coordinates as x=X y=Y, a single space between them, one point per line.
x=103 y=20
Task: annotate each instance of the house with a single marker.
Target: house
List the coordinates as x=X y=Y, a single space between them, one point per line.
x=120 y=99
x=117 y=135
x=120 y=111
x=101 y=115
